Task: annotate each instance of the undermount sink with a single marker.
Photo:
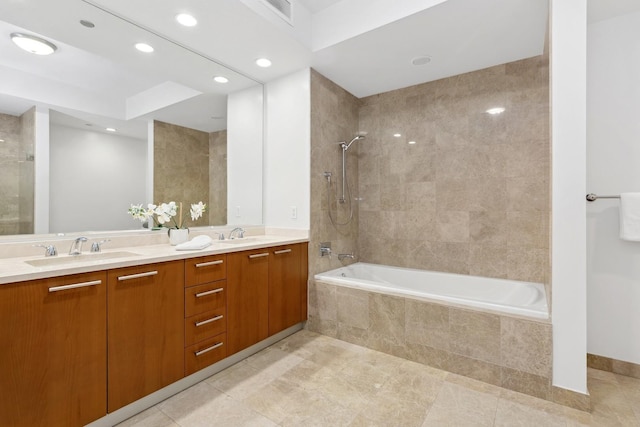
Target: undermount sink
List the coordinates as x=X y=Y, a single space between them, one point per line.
x=72 y=259
x=238 y=240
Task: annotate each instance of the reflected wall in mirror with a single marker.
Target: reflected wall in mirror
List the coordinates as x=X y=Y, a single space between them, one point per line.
x=62 y=171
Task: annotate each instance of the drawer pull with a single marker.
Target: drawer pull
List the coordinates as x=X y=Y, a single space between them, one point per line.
x=207 y=264
x=259 y=255
x=137 y=276
x=283 y=251
x=75 y=285
x=213 y=319
x=206 y=350
x=213 y=291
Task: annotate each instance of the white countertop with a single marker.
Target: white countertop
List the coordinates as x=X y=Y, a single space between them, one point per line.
x=18 y=270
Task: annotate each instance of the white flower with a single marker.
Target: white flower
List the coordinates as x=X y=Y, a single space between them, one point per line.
x=140 y=213
x=197 y=210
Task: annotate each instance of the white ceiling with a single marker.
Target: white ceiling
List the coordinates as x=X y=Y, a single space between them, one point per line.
x=363 y=45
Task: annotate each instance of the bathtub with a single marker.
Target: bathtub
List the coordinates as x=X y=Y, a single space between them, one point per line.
x=504 y=296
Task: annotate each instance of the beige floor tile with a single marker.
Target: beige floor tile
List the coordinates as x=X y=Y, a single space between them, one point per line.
x=512 y=414
x=152 y=417
x=309 y=379
x=460 y=406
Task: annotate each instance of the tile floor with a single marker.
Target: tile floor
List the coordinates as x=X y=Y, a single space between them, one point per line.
x=309 y=379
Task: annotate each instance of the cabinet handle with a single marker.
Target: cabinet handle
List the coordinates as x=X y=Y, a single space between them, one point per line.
x=205 y=293
x=258 y=255
x=137 y=276
x=75 y=285
x=206 y=350
x=283 y=251
x=207 y=264
x=213 y=319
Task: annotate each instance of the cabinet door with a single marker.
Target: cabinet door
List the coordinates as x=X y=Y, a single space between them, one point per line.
x=285 y=279
x=145 y=330
x=247 y=299
x=53 y=366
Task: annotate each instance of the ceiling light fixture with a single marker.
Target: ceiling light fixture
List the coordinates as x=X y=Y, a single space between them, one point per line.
x=397 y=135
x=110 y=129
x=143 y=47
x=496 y=110
x=411 y=142
x=33 y=44
x=263 y=62
x=186 y=20
x=421 y=60
x=221 y=79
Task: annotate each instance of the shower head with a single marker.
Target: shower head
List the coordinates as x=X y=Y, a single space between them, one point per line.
x=346 y=146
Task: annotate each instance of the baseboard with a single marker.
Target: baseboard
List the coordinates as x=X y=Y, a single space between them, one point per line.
x=612 y=365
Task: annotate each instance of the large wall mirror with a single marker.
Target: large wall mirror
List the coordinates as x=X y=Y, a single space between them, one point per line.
x=98 y=125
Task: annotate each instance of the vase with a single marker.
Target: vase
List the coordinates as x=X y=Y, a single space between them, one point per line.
x=178 y=235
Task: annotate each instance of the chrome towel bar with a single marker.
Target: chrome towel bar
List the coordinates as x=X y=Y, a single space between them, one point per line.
x=592 y=197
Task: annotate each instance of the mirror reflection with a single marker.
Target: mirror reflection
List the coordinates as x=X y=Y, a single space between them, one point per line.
x=97 y=125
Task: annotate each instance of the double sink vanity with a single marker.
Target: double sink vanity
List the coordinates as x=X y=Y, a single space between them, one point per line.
x=87 y=335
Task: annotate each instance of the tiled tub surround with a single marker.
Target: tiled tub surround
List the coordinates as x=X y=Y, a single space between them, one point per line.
x=503 y=350
x=471 y=196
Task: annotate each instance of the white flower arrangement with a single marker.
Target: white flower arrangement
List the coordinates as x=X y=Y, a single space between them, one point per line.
x=165 y=213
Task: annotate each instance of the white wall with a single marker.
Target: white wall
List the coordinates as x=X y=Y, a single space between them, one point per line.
x=568 y=136
x=244 y=156
x=613 y=167
x=287 y=151
x=94 y=177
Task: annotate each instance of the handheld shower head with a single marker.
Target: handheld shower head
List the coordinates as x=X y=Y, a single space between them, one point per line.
x=346 y=146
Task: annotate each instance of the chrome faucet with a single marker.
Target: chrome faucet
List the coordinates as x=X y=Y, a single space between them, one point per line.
x=97 y=246
x=76 y=246
x=240 y=231
x=50 y=250
x=341 y=257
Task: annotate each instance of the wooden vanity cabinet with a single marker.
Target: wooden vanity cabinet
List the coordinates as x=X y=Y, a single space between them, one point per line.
x=247 y=298
x=145 y=330
x=205 y=312
x=285 y=287
x=53 y=365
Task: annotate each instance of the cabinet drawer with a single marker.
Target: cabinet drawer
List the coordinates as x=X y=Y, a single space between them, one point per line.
x=206 y=353
x=205 y=269
x=202 y=298
x=203 y=326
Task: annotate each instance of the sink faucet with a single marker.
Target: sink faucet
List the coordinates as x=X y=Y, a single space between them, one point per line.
x=76 y=246
x=240 y=231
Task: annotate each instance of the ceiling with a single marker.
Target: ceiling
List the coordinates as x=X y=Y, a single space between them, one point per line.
x=365 y=46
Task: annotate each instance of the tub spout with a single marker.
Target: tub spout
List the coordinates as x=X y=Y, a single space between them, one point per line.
x=342 y=257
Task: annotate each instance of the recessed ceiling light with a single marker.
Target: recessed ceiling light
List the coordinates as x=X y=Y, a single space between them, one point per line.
x=110 y=129
x=186 y=20
x=33 y=44
x=143 y=47
x=87 y=24
x=496 y=110
x=411 y=142
x=397 y=135
x=263 y=62
x=221 y=79
x=421 y=60
x=1 y=140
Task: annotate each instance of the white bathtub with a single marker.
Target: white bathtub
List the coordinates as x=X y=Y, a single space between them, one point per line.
x=506 y=296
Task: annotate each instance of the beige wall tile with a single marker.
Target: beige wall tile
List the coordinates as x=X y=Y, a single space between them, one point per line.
x=524 y=382
x=353 y=307
x=427 y=324
x=475 y=335
x=526 y=346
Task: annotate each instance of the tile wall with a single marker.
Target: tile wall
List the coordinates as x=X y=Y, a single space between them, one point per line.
x=16 y=173
x=472 y=195
x=218 y=178
x=334 y=118
x=181 y=165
